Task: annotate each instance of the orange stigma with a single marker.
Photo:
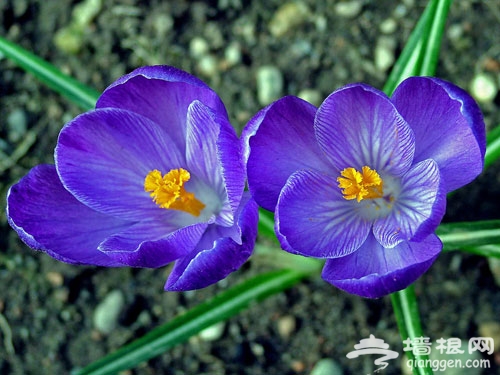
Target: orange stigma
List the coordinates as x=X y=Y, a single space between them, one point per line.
x=366 y=184
x=168 y=191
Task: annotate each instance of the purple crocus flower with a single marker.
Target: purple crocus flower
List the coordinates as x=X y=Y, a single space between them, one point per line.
x=361 y=181
x=153 y=175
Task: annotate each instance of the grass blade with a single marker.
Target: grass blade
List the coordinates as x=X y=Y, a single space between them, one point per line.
x=404 y=304
x=75 y=91
x=469 y=234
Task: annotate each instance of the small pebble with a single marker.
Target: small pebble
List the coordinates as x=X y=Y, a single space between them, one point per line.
x=213 y=33
x=163 y=23
x=232 y=54
x=491 y=65
x=69 y=39
x=297 y=366
x=66 y=315
x=208 y=66
x=483 y=88
x=213 y=332
x=400 y=11
x=326 y=366
x=286 y=326
x=84 y=12
x=20 y=7
x=287 y=17
x=257 y=349
x=455 y=32
x=388 y=26
x=17 y=123
x=311 y=95
x=321 y=23
x=55 y=278
x=108 y=311
x=61 y=295
x=384 y=53
x=348 y=9
x=198 y=47
x=269 y=84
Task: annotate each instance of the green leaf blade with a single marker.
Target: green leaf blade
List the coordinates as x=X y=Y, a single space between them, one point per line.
x=76 y=92
x=404 y=304
x=469 y=234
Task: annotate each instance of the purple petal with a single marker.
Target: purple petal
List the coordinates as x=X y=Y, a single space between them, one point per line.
x=103 y=157
x=162 y=94
x=315 y=220
x=358 y=125
x=418 y=208
x=448 y=127
x=217 y=256
x=48 y=218
x=213 y=154
x=146 y=244
x=283 y=144
x=374 y=271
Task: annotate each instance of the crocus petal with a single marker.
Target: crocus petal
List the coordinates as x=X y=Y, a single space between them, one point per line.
x=448 y=127
x=315 y=220
x=213 y=154
x=207 y=265
x=283 y=144
x=103 y=157
x=146 y=245
x=418 y=208
x=358 y=125
x=48 y=218
x=162 y=94
x=374 y=271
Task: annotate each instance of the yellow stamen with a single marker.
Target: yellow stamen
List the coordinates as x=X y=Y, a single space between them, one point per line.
x=366 y=184
x=168 y=191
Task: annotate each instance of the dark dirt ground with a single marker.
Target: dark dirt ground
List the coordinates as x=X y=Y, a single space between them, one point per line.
x=47 y=307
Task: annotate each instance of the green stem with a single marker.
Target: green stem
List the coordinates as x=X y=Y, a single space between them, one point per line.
x=493 y=146
x=407 y=315
x=84 y=96
x=434 y=37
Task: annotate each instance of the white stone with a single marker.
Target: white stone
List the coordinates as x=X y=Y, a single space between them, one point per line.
x=384 y=53
x=17 y=123
x=287 y=17
x=286 y=325
x=348 y=9
x=269 y=84
x=327 y=366
x=232 y=54
x=208 y=65
x=311 y=95
x=213 y=332
x=108 y=311
x=483 y=88
x=388 y=26
x=198 y=47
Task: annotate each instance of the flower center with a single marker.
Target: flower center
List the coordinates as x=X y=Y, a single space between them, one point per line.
x=168 y=191
x=366 y=184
